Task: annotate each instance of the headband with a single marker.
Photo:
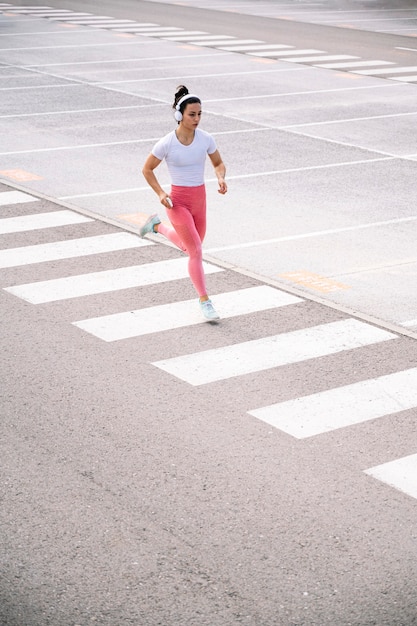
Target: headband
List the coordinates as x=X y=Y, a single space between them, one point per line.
x=181 y=100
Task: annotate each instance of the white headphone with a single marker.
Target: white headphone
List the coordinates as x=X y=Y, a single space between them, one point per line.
x=178 y=114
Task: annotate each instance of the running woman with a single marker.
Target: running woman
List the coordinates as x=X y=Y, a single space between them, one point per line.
x=185 y=150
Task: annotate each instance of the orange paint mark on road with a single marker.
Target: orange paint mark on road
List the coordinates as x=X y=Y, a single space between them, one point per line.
x=263 y=60
x=314 y=281
x=20 y=175
x=126 y=35
x=349 y=76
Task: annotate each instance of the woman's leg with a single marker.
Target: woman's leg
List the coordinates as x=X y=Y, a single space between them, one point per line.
x=188 y=217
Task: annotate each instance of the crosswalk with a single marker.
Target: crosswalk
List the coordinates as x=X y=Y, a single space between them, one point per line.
x=252 y=47
x=312 y=415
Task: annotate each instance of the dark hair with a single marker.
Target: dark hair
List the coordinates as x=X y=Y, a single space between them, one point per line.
x=180 y=93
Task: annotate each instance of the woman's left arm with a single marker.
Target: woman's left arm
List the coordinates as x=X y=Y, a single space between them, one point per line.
x=220 y=170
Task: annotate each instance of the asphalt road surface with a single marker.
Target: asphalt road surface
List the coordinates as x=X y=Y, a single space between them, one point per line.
x=160 y=470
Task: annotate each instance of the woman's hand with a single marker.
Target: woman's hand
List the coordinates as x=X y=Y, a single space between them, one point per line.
x=222 y=186
x=220 y=171
x=166 y=201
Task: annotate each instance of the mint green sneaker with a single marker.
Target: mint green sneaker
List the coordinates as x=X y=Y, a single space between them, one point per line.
x=149 y=225
x=208 y=310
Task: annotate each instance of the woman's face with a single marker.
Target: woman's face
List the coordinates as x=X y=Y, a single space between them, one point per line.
x=191 y=116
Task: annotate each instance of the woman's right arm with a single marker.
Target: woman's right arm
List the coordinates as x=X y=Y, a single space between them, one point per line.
x=148 y=171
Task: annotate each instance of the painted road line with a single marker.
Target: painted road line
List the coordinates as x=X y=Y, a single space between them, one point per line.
x=15 y=197
x=283 y=53
x=344 y=406
x=93 y=21
x=41 y=220
x=59 y=85
x=186 y=35
x=238 y=45
x=185 y=313
x=85 y=246
x=142 y=25
x=106 y=281
x=270 y=352
x=158 y=33
x=37 y=10
x=80 y=45
x=326 y=57
x=208 y=37
x=409 y=323
x=392 y=70
x=221 y=43
x=151 y=30
x=405 y=79
x=49 y=13
x=67 y=18
x=401 y=474
x=403 y=48
x=335 y=66
x=261 y=46
x=116 y=24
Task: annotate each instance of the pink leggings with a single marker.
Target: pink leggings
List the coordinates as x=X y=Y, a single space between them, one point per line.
x=188 y=217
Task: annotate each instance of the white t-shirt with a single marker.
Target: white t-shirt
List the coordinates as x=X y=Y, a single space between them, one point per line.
x=185 y=163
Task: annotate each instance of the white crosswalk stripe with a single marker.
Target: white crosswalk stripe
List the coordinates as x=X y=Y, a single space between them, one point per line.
x=221 y=41
x=106 y=281
x=180 y=314
x=41 y=220
x=42 y=12
x=15 y=197
x=285 y=53
x=239 y=45
x=389 y=70
x=343 y=406
x=41 y=253
x=184 y=35
x=270 y=352
x=400 y=473
x=103 y=21
x=25 y=9
x=210 y=40
x=405 y=79
x=323 y=57
x=151 y=32
x=248 y=48
x=351 y=65
x=70 y=18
